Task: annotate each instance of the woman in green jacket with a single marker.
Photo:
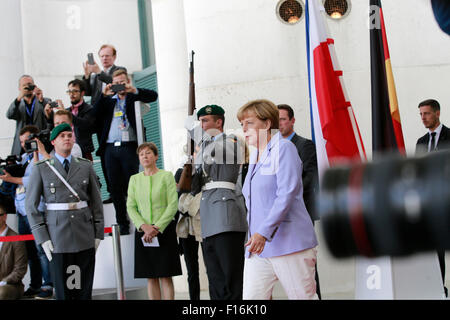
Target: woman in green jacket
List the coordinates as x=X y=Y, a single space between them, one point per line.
x=152 y=204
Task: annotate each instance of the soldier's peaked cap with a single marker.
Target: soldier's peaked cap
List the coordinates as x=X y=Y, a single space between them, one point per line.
x=58 y=129
x=211 y=109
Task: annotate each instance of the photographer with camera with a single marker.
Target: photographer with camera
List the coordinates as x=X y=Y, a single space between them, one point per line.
x=27 y=109
x=115 y=114
x=80 y=117
x=29 y=137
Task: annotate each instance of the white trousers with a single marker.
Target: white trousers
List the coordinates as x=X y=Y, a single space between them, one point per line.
x=295 y=271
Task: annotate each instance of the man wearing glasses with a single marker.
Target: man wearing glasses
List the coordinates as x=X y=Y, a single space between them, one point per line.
x=82 y=117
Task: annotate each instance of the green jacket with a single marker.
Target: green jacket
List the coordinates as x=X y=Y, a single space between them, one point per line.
x=152 y=199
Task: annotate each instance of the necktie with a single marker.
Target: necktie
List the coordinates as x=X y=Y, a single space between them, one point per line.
x=432 y=145
x=66 y=165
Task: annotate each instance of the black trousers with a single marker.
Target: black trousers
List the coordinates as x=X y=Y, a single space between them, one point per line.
x=190 y=251
x=73 y=274
x=121 y=163
x=223 y=254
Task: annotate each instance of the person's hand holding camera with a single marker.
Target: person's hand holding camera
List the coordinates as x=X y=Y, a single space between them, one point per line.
x=26 y=91
x=39 y=94
x=7 y=177
x=107 y=90
x=129 y=88
x=41 y=150
x=90 y=68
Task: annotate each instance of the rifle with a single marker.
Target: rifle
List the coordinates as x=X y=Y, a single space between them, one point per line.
x=184 y=184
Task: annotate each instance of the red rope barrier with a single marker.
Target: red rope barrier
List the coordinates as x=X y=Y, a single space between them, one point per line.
x=26 y=237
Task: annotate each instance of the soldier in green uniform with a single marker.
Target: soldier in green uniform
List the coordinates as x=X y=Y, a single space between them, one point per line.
x=72 y=227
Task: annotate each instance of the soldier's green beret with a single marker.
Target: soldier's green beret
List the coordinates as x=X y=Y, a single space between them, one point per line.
x=58 y=129
x=211 y=109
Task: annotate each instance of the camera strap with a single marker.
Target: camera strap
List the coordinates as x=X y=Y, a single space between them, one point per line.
x=63 y=180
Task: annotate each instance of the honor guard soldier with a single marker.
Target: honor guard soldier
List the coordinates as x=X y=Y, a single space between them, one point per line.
x=73 y=226
x=222 y=209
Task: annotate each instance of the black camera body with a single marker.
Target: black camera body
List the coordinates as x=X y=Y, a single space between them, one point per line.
x=30 y=87
x=31 y=144
x=53 y=104
x=117 y=88
x=11 y=166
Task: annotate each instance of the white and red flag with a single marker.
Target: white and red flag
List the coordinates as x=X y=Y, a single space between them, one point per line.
x=334 y=127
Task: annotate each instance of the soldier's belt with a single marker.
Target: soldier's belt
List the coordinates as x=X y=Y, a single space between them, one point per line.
x=219 y=184
x=67 y=206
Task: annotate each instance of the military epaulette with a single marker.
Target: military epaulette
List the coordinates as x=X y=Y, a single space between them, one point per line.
x=80 y=158
x=41 y=161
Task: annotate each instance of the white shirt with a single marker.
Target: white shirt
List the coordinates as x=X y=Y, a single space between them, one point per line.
x=436 y=138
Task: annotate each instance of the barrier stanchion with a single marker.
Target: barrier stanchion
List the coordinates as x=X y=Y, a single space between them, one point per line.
x=118 y=262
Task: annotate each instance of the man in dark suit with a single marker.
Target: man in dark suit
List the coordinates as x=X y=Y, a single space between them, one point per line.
x=13 y=262
x=95 y=81
x=115 y=114
x=27 y=109
x=307 y=152
x=82 y=118
x=437 y=138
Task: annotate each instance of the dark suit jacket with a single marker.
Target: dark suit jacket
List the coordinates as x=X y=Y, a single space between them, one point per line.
x=13 y=261
x=17 y=111
x=443 y=142
x=104 y=112
x=94 y=84
x=307 y=152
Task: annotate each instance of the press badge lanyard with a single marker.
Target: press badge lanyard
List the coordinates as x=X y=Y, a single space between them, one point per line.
x=30 y=113
x=122 y=108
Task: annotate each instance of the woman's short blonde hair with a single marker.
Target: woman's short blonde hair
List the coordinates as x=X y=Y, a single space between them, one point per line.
x=149 y=145
x=263 y=110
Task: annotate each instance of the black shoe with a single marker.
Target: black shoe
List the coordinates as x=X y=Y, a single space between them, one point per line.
x=109 y=200
x=45 y=294
x=31 y=293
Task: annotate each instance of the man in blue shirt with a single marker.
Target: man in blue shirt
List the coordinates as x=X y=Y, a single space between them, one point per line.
x=37 y=260
x=115 y=114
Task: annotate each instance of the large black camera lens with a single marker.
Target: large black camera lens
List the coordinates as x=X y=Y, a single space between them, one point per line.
x=394 y=206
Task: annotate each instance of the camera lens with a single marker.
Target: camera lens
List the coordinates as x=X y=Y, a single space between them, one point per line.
x=394 y=206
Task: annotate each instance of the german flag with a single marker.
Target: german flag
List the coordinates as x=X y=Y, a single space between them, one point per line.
x=387 y=133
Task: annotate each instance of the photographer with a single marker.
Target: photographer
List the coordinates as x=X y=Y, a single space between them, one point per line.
x=79 y=115
x=27 y=109
x=115 y=115
x=37 y=260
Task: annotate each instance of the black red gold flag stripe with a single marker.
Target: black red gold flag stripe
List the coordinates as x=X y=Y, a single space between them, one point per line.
x=387 y=133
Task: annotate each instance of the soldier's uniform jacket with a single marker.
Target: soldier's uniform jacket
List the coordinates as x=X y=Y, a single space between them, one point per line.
x=221 y=209
x=69 y=230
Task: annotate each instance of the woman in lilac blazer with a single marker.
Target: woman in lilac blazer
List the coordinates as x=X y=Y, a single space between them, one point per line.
x=281 y=238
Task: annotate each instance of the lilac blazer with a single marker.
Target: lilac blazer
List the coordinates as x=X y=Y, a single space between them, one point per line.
x=273 y=194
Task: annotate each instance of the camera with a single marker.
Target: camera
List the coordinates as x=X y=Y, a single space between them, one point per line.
x=53 y=104
x=391 y=207
x=90 y=57
x=30 y=87
x=31 y=144
x=117 y=88
x=11 y=166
